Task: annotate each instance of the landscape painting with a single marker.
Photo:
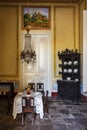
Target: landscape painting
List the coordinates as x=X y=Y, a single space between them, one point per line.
x=36 y=17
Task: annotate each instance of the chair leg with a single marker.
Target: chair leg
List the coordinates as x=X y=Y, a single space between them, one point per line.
x=47 y=108
x=33 y=121
x=43 y=109
x=22 y=118
x=9 y=108
x=34 y=117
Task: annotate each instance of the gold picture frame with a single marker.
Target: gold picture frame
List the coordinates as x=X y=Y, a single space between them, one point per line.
x=36 y=17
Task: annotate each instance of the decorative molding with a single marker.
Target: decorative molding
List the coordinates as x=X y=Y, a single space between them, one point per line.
x=34 y=1
x=43 y=41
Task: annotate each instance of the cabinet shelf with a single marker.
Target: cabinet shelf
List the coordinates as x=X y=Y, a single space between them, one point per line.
x=72 y=65
x=70 y=73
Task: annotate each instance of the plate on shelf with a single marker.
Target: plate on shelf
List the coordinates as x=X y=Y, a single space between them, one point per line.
x=69 y=62
x=65 y=70
x=65 y=63
x=68 y=78
x=69 y=70
x=75 y=70
x=76 y=79
x=75 y=62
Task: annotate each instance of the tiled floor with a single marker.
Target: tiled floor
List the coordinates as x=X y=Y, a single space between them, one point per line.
x=67 y=115
x=63 y=115
x=8 y=123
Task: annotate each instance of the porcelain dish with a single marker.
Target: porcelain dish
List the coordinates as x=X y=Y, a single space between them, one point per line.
x=65 y=63
x=75 y=62
x=65 y=70
x=75 y=70
x=69 y=62
x=68 y=78
x=76 y=79
x=69 y=70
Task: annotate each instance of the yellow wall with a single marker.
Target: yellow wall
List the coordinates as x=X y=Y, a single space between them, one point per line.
x=66 y=30
x=9 y=61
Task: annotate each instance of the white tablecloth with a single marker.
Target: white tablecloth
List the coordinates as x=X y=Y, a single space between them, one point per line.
x=17 y=106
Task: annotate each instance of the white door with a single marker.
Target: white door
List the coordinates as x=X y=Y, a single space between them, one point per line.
x=40 y=70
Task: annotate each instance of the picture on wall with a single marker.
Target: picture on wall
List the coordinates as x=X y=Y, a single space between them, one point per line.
x=36 y=17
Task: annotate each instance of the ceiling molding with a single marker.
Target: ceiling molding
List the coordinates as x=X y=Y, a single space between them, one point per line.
x=34 y=1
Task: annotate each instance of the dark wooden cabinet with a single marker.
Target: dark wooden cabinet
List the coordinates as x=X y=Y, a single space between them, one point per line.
x=69 y=85
x=69 y=90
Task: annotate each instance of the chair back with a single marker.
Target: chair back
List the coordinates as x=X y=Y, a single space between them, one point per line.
x=47 y=95
x=32 y=86
x=45 y=102
x=40 y=87
x=28 y=107
x=27 y=102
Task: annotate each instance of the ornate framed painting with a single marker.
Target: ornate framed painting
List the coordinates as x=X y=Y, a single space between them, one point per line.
x=36 y=17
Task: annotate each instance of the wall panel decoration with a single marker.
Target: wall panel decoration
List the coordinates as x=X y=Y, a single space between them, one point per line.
x=64 y=31
x=9 y=41
x=43 y=53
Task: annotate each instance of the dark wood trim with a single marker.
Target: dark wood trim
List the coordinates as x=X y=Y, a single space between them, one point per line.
x=34 y=1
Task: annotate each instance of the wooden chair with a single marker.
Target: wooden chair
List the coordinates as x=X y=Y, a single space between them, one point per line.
x=32 y=86
x=40 y=87
x=28 y=108
x=45 y=102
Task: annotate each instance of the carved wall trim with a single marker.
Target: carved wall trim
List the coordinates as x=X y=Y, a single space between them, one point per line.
x=65 y=1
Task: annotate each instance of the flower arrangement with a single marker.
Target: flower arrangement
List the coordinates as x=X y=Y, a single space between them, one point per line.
x=28 y=89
